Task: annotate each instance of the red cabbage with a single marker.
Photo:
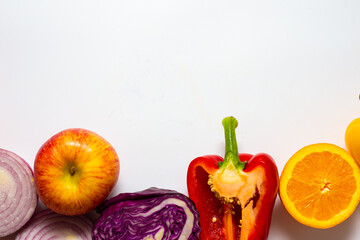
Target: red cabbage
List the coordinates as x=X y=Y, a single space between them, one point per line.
x=148 y=215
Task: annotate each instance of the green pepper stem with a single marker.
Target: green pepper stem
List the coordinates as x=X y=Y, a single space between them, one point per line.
x=231 y=149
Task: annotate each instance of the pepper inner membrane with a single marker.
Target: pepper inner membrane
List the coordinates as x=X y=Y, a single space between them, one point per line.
x=233 y=207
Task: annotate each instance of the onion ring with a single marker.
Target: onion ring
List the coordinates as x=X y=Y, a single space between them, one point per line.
x=18 y=198
x=50 y=225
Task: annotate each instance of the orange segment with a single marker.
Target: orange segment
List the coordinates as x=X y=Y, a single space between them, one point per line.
x=320 y=185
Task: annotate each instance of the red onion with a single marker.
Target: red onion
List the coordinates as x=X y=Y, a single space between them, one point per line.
x=50 y=225
x=18 y=198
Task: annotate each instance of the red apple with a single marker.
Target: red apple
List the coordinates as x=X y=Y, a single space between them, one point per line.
x=75 y=171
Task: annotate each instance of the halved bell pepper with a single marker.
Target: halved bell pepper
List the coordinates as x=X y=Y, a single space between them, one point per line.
x=235 y=195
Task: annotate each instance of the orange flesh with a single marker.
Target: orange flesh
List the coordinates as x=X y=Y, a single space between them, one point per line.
x=319 y=188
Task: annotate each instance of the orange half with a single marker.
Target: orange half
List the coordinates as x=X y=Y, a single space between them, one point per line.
x=320 y=185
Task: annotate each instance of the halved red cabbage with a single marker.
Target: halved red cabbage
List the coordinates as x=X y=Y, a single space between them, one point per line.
x=18 y=198
x=151 y=214
x=50 y=225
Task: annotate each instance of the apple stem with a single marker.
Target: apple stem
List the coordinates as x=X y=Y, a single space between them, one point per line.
x=72 y=170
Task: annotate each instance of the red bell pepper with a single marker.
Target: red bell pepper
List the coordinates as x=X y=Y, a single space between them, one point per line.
x=235 y=196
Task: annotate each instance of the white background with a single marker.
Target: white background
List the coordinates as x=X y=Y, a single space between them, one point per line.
x=156 y=78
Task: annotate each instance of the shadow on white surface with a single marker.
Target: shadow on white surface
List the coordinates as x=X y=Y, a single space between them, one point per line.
x=284 y=225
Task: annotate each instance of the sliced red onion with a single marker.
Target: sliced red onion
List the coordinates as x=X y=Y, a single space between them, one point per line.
x=50 y=225
x=18 y=198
